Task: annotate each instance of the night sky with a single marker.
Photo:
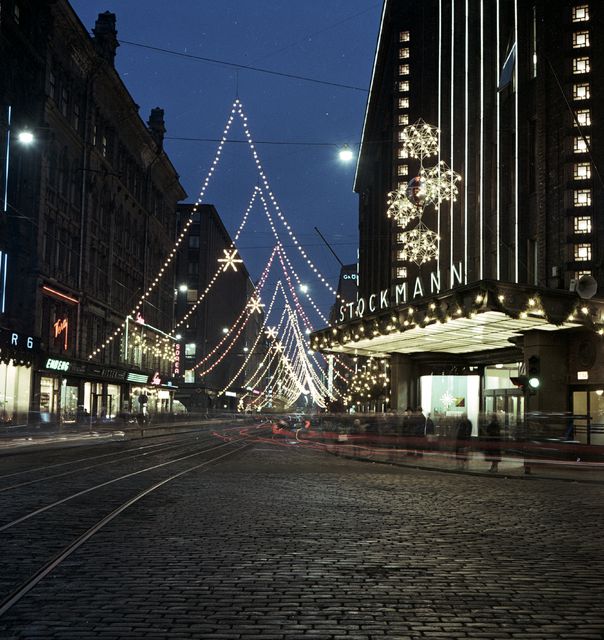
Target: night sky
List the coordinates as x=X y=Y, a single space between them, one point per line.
x=329 y=40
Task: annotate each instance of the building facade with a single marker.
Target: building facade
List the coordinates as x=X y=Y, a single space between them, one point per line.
x=89 y=220
x=212 y=314
x=508 y=271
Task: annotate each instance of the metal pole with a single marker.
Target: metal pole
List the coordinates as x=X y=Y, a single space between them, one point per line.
x=7 y=157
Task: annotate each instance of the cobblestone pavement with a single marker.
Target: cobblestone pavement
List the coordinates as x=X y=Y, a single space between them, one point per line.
x=289 y=543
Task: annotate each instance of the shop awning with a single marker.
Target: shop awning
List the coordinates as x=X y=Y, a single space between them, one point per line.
x=484 y=316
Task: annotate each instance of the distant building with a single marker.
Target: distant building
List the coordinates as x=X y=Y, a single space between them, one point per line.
x=88 y=223
x=510 y=86
x=219 y=331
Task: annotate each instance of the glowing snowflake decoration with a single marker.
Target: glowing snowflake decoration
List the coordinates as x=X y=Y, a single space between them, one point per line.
x=230 y=259
x=447 y=399
x=400 y=208
x=271 y=332
x=440 y=183
x=254 y=305
x=420 y=140
x=420 y=244
x=277 y=346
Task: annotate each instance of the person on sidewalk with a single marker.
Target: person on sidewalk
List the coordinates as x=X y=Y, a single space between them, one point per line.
x=462 y=443
x=493 y=444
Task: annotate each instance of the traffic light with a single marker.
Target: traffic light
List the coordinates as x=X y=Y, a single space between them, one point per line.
x=534 y=372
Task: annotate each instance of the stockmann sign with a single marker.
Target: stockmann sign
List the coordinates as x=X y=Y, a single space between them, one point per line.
x=398 y=295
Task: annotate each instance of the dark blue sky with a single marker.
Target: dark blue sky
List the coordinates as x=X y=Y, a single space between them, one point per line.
x=329 y=40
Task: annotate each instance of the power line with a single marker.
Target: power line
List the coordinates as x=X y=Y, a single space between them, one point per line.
x=278 y=142
x=242 y=66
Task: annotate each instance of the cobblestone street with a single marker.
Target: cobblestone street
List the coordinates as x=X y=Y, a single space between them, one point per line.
x=281 y=542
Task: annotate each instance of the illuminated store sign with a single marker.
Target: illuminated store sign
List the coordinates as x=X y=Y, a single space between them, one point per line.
x=400 y=294
x=137 y=377
x=56 y=365
x=156 y=380
x=61 y=326
x=18 y=340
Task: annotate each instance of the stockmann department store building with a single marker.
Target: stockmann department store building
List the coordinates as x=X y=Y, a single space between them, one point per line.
x=480 y=196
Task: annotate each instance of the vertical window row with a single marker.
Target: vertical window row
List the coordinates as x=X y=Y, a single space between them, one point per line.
x=581 y=201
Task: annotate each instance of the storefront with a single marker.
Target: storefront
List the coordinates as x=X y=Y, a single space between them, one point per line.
x=17 y=357
x=468 y=350
x=77 y=392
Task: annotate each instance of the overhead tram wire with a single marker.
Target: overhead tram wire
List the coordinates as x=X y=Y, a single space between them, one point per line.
x=235 y=65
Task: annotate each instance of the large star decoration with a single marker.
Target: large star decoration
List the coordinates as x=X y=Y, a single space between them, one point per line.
x=254 y=305
x=230 y=259
x=271 y=332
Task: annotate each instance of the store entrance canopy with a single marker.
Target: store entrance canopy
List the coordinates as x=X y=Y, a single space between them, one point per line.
x=483 y=316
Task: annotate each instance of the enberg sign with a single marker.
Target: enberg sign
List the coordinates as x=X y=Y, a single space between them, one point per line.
x=400 y=293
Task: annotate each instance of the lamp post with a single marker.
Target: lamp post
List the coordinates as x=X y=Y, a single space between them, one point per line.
x=24 y=138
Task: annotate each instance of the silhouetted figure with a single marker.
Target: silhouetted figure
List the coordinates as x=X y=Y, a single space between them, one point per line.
x=464 y=433
x=493 y=437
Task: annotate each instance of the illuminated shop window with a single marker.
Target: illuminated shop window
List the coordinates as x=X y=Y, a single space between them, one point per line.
x=584 y=272
x=403 y=69
x=580 y=143
x=403 y=103
x=581 y=13
x=403 y=54
x=582 y=224
x=403 y=86
x=582 y=252
x=581 y=91
x=403 y=169
x=580 y=39
x=401 y=272
x=581 y=65
x=583 y=118
x=582 y=197
x=582 y=171
x=403 y=118
x=404 y=36
x=402 y=154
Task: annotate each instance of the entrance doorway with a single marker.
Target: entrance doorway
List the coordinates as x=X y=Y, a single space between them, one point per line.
x=588 y=409
x=508 y=404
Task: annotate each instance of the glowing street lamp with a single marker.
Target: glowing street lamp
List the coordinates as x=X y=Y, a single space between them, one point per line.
x=345 y=154
x=25 y=137
x=183 y=288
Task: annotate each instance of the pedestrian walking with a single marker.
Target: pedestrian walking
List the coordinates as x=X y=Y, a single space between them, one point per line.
x=462 y=443
x=493 y=443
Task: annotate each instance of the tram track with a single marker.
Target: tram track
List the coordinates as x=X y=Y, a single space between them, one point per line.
x=47 y=557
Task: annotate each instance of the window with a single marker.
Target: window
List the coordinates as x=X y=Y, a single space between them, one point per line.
x=403 y=103
x=399 y=238
x=581 y=65
x=104 y=146
x=404 y=36
x=402 y=153
x=400 y=256
x=581 y=91
x=403 y=170
x=64 y=100
x=193 y=268
x=403 y=86
x=580 y=13
x=582 y=252
x=17 y=13
x=401 y=136
x=403 y=54
x=403 y=69
x=401 y=185
x=190 y=350
x=191 y=296
x=584 y=272
x=580 y=39
x=401 y=272
x=583 y=118
x=582 y=197
x=403 y=118
x=76 y=116
x=582 y=224
x=189 y=375
x=193 y=242
x=580 y=144
x=582 y=171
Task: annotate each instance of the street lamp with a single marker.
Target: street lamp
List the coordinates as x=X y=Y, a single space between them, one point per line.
x=345 y=154
x=25 y=137
x=183 y=288
x=304 y=288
